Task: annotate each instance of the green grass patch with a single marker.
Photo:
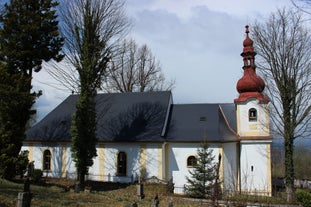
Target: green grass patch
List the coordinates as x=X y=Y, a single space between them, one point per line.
x=55 y=192
x=52 y=193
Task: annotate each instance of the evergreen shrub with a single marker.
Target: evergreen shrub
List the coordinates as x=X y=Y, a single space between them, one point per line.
x=303 y=197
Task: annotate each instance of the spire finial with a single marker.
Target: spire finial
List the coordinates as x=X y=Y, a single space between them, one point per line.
x=246 y=29
x=247 y=43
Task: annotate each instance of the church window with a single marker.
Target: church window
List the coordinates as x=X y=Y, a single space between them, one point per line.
x=121 y=164
x=191 y=161
x=47 y=160
x=252 y=114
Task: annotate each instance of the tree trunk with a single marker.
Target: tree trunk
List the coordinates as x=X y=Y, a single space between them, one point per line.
x=80 y=184
x=289 y=170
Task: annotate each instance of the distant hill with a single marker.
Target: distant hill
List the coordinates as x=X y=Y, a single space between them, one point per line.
x=299 y=142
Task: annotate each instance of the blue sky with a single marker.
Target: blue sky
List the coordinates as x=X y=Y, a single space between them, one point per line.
x=198 y=43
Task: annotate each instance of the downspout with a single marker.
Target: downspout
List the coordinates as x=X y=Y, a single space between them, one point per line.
x=239 y=167
x=164 y=162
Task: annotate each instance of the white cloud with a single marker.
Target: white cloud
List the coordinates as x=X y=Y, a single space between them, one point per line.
x=51 y=95
x=183 y=8
x=200 y=52
x=198 y=43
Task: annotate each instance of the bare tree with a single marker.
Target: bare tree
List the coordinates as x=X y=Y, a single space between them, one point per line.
x=283 y=44
x=131 y=69
x=303 y=5
x=91 y=29
x=65 y=75
x=135 y=69
x=109 y=26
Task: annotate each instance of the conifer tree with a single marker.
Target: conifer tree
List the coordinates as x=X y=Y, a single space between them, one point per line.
x=202 y=175
x=14 y=110
x=28 y=36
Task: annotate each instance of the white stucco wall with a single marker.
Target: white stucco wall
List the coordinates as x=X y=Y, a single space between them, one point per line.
x=153 y=161
x=230 y=167
x=110 y=162
x=178 y=170
x=141 y=158
x=69 y=168
x=255 y=167
x=252 y=128
x=36 y=154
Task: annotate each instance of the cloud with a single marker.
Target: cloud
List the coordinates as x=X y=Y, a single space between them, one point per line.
x=183 y=8
x=201 y=53
x=51 y=95
x=198 y=43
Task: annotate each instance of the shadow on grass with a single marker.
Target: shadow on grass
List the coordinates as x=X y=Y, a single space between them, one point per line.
x=3 y=205
x=106 y=186
x=42 y=183
x=67 y=184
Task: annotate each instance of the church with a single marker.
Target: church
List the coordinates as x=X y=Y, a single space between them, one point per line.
x=145 y=135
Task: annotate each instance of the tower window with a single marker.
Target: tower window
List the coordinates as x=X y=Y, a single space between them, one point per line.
x=47 y=160
x=252 y=114
x=191 y=161
x=121 y=164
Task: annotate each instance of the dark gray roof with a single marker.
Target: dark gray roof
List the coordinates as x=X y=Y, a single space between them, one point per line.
x=196 y=122
x=145 y=117
x=229 y=111
x=120 y=117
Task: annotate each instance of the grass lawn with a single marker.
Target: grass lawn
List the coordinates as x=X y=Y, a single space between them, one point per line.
x=55 y=192
x=52 y=193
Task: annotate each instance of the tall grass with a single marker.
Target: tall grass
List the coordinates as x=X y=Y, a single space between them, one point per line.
x=55 y=195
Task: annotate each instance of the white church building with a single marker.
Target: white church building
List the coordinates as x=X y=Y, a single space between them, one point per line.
x=145 y=135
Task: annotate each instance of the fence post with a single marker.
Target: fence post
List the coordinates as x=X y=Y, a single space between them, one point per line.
x=24 y=198
x=140 y=191
x=77 y=187
x=156 y=201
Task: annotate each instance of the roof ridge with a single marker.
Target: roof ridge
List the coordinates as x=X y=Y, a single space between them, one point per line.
x=227 y=122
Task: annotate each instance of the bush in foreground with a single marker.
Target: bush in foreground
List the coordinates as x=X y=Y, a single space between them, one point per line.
x=303 y=197
x=37 y=175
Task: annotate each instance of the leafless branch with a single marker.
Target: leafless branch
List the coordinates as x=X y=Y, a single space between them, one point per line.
x=135 y=69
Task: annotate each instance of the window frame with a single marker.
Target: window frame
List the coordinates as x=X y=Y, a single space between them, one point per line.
x=192 y=161
x=252 y=115
x=47 y=158
x=121 y=164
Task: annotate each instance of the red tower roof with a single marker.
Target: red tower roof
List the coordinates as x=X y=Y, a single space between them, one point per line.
x=250 y=85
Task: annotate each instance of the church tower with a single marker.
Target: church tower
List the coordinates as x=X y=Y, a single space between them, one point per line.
x=253 y=126
x=252 y=111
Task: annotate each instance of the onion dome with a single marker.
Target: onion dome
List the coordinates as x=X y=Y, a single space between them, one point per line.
x=250 y=82
x=250 y=85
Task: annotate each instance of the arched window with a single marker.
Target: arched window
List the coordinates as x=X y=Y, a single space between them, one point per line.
x=252 y=114
x=47 y=160
x=121 y=164
x=191 y=161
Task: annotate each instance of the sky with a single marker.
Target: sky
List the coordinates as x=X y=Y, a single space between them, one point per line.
x=198 y=43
